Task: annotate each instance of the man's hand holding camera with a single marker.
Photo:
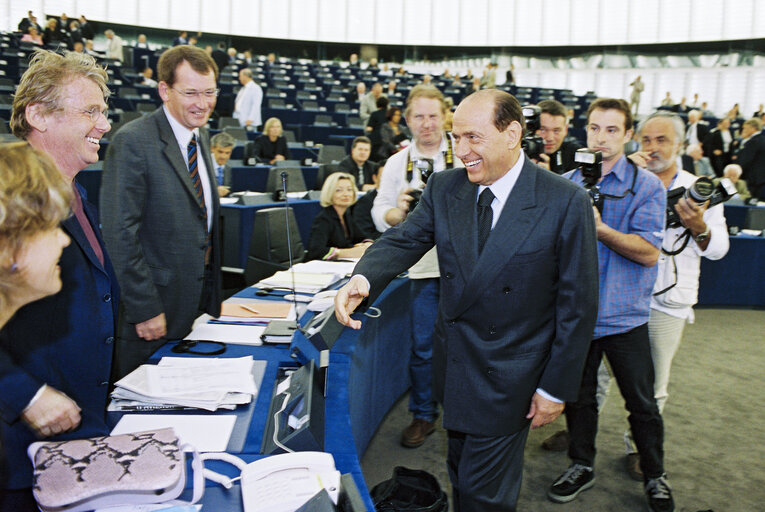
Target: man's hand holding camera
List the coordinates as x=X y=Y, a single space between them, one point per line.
x=396 y=215
x=543 y=161
x=692 y=217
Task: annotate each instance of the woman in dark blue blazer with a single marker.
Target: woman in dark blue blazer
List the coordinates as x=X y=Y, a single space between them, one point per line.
x=335 y=233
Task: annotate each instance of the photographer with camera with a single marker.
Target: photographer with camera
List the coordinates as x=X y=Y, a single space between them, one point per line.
x=630 y=230
x=401 y=184
x=558 y=153
x=693 y=230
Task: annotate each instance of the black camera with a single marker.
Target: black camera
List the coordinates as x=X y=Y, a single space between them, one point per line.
x=425 y=166
x=533 y=145
x=590 y=165
x=702 y=190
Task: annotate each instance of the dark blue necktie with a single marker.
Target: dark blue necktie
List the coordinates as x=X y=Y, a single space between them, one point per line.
x=485 y=217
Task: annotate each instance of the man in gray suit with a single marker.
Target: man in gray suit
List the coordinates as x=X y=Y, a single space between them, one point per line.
x=159 y=209
x=222 y=146
x=518 y=295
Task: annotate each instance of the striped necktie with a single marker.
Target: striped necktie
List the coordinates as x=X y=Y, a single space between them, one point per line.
x=191 y=150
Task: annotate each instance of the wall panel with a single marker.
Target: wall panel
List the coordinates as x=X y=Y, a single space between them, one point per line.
x=490 y=23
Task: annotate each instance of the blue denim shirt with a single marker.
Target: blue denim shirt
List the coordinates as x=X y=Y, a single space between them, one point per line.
x=626 y=286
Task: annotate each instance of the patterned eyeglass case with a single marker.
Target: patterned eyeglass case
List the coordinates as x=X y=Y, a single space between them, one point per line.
x=85 y=474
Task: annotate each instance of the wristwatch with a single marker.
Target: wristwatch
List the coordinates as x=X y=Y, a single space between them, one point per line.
x=701 y=237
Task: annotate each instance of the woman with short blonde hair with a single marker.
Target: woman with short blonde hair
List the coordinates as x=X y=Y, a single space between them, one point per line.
x=34 y=199
x=335 y=233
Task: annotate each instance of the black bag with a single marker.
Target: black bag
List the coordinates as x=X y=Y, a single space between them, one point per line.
x=410 y=490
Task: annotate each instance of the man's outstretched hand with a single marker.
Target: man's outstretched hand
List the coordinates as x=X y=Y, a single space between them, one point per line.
x=348 y=299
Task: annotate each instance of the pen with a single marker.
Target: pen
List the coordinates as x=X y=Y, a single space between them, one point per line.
x=250 y=309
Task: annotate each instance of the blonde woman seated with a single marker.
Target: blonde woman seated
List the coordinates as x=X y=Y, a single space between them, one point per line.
x=335 y=233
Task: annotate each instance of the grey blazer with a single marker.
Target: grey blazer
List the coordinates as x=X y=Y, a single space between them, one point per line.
x=516 y=318
x=155 y=229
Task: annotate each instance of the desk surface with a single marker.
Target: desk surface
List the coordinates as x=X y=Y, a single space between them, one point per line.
x=366 y=376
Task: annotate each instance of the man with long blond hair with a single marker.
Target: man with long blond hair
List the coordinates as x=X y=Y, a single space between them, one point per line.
x=55 y=354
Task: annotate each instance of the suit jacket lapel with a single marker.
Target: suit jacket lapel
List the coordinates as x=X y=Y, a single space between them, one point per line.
x=212 y=180
x=173 y=152
x=463 y=226
x=516 y=222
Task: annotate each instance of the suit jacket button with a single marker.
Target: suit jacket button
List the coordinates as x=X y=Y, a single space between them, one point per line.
x=202 y=216
x=107 y=297
x=451 y=322
x=449 y=275
x=506 y=290
x=109 y=340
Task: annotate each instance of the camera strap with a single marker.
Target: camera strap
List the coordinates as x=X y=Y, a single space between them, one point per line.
x=686 y=236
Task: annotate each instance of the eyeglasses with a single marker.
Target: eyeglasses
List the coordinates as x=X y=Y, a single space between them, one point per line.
x=209 y=93
x=93 y=113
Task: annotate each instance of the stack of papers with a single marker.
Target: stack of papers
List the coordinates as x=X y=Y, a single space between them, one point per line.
x=305 y=282
x=184 y=382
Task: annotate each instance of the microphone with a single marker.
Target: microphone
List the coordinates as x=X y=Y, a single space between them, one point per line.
x=289 y=248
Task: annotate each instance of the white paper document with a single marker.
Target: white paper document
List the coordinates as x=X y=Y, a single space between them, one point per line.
x=205 y=433
x=228 y=333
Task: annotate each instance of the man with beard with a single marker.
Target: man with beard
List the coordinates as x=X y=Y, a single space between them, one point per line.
x=703 y=233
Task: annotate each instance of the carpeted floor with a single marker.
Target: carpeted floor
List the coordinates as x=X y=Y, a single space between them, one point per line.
x=714 y=431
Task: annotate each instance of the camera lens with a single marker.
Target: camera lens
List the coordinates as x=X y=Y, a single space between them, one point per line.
x=702 y=190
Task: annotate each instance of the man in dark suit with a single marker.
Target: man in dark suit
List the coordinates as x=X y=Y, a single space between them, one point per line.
x=518 y=295
x=222 y=145
x=697 y=130
x=717 y=146
x=362 y=209
x=553 y=128
x=357 y=164
x=750 y=155
x=55 y=354
x=220 y=56
x=160 y=211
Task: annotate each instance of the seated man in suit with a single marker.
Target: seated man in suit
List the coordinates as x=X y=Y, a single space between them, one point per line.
x=362 y=210
x=553 y=128
x=221 y=146
x=701 y=164
x=733 y=173
x=358 y=165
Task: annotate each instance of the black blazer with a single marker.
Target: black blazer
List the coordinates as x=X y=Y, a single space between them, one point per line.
x=362 y=213
x=348 y=165
x=264 y=150
x=751 y=158
x=516 y=317
x=327 y=232
x=714 y=141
